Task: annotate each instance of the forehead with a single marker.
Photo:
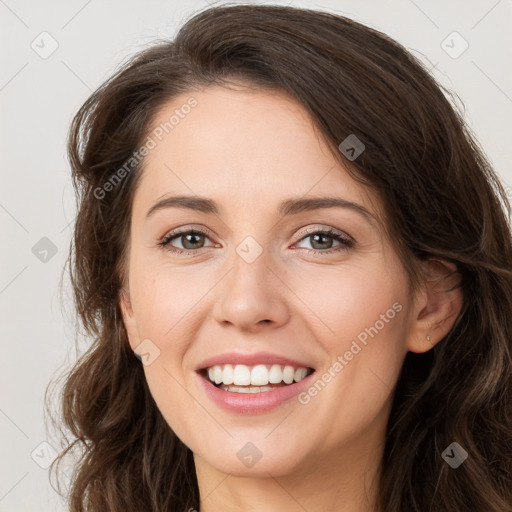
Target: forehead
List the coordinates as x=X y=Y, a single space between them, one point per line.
x=245 y=147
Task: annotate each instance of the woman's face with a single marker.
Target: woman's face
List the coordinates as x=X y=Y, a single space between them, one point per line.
x=261 y=288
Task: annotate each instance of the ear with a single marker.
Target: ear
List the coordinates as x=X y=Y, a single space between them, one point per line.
x=129 y=318
x=437 y=305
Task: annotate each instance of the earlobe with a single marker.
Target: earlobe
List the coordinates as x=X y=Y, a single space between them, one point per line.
x=438 y=304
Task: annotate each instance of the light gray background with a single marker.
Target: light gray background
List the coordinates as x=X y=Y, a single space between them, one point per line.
x=39 y=96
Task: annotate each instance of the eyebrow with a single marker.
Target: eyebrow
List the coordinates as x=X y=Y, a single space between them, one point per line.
x=288 y=207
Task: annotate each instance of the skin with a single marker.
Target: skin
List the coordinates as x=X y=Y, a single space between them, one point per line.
x=248 y=151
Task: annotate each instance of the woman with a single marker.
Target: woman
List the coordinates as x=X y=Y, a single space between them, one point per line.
x=287 y=223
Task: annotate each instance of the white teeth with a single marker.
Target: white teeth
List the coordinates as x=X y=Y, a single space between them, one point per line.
x=288 y=373
x=259 y=375
x=256 y=376
x=241 y=375
x=251 y=389
x=300 y=373
x=217 y=373
x=228 y=374
x=275 y=374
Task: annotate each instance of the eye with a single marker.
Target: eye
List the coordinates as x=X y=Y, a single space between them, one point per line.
x=322 y=241
x=190 y=240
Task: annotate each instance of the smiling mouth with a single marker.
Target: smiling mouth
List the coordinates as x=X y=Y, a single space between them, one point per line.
x=258 y=378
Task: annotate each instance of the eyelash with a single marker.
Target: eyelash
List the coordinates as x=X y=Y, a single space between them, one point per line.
x=346 y=242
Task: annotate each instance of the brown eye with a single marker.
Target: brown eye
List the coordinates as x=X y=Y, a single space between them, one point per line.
x=190 y=240
x=322 y=241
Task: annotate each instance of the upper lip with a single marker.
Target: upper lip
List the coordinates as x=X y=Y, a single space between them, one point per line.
x=250 y=360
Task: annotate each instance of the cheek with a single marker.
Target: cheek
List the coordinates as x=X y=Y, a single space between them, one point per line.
x=178 y=406
x=351 y=301
x=166 y=302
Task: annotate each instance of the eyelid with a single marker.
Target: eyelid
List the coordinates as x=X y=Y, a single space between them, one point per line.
x=186 y=229
x=324 y=228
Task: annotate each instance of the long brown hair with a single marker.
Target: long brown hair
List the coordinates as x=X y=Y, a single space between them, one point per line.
x=442 y=198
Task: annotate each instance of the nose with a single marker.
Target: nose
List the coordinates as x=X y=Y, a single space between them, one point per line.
x=251 y=296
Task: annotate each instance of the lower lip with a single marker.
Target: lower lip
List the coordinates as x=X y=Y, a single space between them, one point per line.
x=253 y=403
